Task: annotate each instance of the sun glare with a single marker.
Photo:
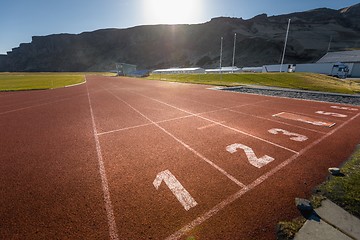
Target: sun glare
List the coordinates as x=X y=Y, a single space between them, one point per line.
x=172 y=11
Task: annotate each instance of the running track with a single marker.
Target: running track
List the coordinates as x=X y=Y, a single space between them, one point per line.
x=120 y=158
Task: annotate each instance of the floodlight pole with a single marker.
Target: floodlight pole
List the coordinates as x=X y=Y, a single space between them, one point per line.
x=328 y=50
x=287 y=34
x=221 y=50
x=233 y=62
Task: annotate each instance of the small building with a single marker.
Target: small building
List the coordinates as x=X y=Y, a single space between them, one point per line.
x=125 y=69
x=224 y=70
x=252 y=69
x=350 y=58
x=179 y=71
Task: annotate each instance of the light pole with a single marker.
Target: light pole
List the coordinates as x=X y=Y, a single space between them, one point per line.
x=287 y=33
x=233 y=62
x=221 y=49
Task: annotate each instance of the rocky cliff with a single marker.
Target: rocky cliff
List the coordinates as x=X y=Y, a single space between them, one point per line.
x=260 y=41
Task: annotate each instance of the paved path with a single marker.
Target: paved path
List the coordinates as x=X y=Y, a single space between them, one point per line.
x=122 y=158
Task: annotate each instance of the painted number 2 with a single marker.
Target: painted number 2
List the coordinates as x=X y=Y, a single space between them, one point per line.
x=294 y=136
x=253 y=160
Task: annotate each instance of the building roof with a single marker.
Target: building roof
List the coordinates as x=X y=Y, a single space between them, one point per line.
x=344 y=56
x=178 y=69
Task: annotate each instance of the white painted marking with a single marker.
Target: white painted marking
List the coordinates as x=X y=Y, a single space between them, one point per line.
x=331 y=114
x=212 y=212
x=220 y=124
x=182 y=195
x=345 y=108
x=104 y=182
x=237 y=182
x=253 y=160
x=284 y=123
x=316 y=123
x=208 y=126
x=294 y=136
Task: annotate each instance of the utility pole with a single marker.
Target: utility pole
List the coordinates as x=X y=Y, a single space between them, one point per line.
x=328 y=50
x=221 y=50
x=286 y=38
x=233 y=62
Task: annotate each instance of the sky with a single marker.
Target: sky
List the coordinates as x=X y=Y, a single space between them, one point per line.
x=22 y=19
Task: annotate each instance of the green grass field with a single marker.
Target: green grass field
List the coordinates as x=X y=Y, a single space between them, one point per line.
x=38 y=81
x=304 y=81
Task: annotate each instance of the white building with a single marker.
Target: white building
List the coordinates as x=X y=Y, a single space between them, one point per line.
x=179 y=71
x=224 y=70
x=350 y=58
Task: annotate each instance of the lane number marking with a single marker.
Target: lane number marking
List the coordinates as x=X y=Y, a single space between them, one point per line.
x=253 y=160
x=183 y=196
x=294 y=136
x=332 y=114
x=345 y=108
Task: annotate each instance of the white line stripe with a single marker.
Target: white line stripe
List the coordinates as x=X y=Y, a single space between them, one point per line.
x=105 y=186
x=234 y=197
x=163 y=121
x=223 y=125
x=272 y=120
x=208 y=126
x=184 y=144
x=41 y=104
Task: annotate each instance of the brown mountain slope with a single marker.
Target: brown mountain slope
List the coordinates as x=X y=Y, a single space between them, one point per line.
x=259 y=41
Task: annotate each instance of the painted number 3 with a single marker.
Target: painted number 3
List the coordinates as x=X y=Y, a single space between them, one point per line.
x=252 y=158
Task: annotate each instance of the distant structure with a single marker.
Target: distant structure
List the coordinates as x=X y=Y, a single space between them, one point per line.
x=125 y=69
x=179 y=70
x=350 y=58
x=224 y=70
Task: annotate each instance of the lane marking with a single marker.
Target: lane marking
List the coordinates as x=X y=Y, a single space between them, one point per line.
x=104 y=182
x=182 y=195
x=331 y=114
x=233 y=179
x=294 y=136
x=304 y=119
x=344 y=108
x=253 y=160
x=209 y=125
x=201 y=219
x=220 y=124
x=168 y=120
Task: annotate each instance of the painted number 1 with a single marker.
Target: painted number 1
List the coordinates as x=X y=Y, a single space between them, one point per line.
x=183 y=196
x=253 y=160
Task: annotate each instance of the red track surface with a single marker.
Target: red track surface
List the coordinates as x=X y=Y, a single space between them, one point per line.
x=80 y=162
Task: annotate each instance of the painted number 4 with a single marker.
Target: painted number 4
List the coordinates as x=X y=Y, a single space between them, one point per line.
x=252 y=158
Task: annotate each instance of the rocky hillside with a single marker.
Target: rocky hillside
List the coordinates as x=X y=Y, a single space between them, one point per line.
x=259 y=41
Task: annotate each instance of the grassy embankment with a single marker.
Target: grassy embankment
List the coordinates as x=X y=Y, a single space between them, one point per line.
x=304 y=81
x=343 y=190
x=38 y=81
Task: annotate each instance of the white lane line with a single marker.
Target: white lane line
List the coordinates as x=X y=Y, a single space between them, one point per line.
x=272 y=120
x=237 y=182
x=209 y=125
x=104 y=182
x=167 y=120
x=143 y=125
x=201 y=219
x=39 y=105
x=223 y=125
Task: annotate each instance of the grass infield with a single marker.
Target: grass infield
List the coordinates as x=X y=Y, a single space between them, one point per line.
x=38 y=81
x=343 y=190
x=303 y=81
